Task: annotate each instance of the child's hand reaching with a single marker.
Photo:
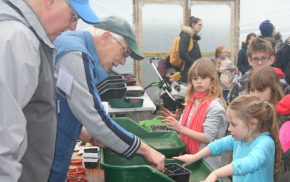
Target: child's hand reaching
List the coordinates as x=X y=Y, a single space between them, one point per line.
x=190 y=158
x=166 y=113
x=172 y=123
x=212 y=177
x=186 y=158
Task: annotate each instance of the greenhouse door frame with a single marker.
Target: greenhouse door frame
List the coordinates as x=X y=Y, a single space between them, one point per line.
x=186 y=4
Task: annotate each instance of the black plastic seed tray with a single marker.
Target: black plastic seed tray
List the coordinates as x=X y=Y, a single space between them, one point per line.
x=113 y=91
x=110 y=79
x=177 y=172
x=156 y=128
x=135 y=93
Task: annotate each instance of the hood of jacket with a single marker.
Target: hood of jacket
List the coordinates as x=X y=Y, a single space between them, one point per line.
x=20 y=11
x=187 y=29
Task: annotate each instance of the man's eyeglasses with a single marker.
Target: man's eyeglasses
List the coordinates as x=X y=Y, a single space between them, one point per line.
x=126 y=52
x=263 y=59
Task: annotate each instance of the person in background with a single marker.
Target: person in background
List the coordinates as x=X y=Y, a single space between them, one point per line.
x=278 y=40
x=84 y=57
x=27 y=107
x=266 y=84
x=243 y=64
x=272 y=42
x=283 y=109
x=221 y=58
x=195 y=26
x=260 y=54
x=268 y=30
x=226 y=71
x=204 y=117
x=253 y=140
x=283 y=59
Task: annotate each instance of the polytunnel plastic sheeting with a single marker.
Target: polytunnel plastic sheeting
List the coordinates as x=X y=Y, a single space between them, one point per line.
x=253 y=12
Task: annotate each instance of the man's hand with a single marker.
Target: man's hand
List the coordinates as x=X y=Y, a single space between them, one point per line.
x=155 y=158
x=96 y=142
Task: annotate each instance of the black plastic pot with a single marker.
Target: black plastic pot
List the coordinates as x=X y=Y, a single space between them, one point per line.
x=91 y=165
x=90 y=161
x=177 y=172
x=92 y=150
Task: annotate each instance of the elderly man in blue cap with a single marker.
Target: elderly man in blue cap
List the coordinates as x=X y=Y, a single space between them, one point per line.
x=83 y=59
x=27 y=107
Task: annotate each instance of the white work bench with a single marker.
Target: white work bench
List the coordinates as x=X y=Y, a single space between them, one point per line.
x=148 y=104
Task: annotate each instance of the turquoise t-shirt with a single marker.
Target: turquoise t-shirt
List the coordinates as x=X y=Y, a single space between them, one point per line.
x=253 y=161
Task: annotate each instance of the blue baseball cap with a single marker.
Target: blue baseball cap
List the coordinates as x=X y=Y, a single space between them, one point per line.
x=84 y=10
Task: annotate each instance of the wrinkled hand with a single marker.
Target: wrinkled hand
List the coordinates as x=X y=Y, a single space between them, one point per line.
x=166 y=113
x=172 y=123
x=186 y=158
x=155 y=158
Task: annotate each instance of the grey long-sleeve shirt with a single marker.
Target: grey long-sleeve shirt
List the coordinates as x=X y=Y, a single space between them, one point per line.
x=85 y=104
x=214 y=127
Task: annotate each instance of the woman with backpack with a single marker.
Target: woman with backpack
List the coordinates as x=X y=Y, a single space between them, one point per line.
x=189 y=32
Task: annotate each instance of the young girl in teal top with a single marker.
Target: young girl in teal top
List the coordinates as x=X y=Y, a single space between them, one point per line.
x=254 y=130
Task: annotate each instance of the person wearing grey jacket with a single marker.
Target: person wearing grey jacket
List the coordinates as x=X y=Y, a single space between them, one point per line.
x=27 y=107
x=83 y=60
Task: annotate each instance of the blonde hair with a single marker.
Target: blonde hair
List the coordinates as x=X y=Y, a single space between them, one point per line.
x=219 y=50
x=263 y=78
x=251 y=106
x=204 y=68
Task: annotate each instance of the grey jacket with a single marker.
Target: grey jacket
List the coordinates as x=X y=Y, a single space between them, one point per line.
x=27 y=108
x=214 y=127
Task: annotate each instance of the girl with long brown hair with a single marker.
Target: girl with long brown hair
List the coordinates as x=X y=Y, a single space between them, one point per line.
x=203 y=118
x=265 y=83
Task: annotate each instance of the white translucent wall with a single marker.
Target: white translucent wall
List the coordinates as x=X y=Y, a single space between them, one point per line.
x=253 y=12
x=161 y=23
